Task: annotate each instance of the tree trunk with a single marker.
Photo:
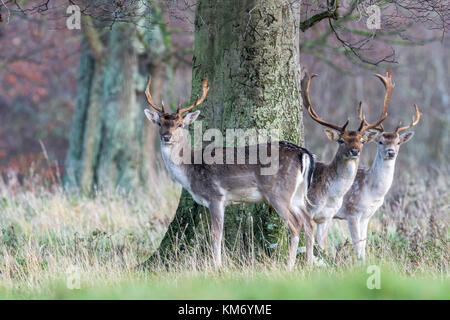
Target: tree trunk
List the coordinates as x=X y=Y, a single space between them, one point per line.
x=249 y=52
x=109 y=144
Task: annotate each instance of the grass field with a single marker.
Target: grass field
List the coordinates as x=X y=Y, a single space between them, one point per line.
x=53 y=242
x=268 y=284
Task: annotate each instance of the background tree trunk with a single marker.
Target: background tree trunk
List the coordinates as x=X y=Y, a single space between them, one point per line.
x=109 y=144
x=249 y=52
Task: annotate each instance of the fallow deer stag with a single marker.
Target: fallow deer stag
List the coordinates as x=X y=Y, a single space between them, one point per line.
x=372 y=184
x=217 y=185
x=331 y=181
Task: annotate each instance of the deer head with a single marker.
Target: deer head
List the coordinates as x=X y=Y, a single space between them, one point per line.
x=389 y=142
x=350 y=141
x=171 y=124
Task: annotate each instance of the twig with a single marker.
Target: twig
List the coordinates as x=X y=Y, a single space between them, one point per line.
x=330 y=13
x=8 y=12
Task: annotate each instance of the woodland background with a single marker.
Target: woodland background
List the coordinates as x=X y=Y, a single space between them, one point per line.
x=40 y=57
x=47 y=227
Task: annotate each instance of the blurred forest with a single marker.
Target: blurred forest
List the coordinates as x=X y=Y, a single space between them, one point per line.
x=40 y=57
x=72 y=122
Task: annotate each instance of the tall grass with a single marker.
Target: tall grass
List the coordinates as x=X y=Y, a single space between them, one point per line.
x=49 y=236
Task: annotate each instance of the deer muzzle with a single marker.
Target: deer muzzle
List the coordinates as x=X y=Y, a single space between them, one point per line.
x=353 y=153
x=390 y=154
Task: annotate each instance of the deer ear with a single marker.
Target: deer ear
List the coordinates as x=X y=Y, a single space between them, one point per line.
x=369 y=135
x=332 y=134
x=406 y=137
x=191 y=117
x=153 y=116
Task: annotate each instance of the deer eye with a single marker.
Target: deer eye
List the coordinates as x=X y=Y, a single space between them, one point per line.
x=341 y=141
x=379 y=142
x=180 y=125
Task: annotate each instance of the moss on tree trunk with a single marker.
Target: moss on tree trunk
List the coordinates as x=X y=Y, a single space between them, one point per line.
x=249 y=52
x=109 y=144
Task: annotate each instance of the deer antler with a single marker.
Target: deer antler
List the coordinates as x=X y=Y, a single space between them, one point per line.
x=150 y=100
x=389 y=86
x=414 y=121
x=364 y=121
x=198 y=100
x=313 y=113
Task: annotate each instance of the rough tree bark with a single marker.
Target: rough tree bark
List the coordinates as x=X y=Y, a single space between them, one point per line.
x=249 y=52
x=109 y=144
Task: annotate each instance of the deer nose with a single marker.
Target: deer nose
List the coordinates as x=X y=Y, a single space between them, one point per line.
x=166 y=137
x=354 y=152
x=391 y=153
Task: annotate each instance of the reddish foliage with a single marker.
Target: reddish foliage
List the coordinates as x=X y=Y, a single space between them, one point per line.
x=38 y=67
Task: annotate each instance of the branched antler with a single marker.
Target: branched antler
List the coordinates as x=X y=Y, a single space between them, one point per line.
x=150 y=99
x=364 y=121
x=389 y=86
x=198 y=100
x=414 y=121
x=312 y=113
x=179 y=110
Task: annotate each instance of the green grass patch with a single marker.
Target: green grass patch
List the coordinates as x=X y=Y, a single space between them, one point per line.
x=234 y=285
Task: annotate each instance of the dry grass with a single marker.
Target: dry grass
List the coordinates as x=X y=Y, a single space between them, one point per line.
x=48 y=235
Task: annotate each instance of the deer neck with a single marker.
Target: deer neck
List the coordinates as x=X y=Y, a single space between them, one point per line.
x=174 y=162
x=344 y=167
x=381 y=174
x=342 y=172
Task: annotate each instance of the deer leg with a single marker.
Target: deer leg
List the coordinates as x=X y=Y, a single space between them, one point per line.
x=294 y=232
x=353 y=226
x=217 y=213
x=363 y=224
x=322 y=234
x=302 y=218
x=308 y=227
x=294 y=223
x=295 y=226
